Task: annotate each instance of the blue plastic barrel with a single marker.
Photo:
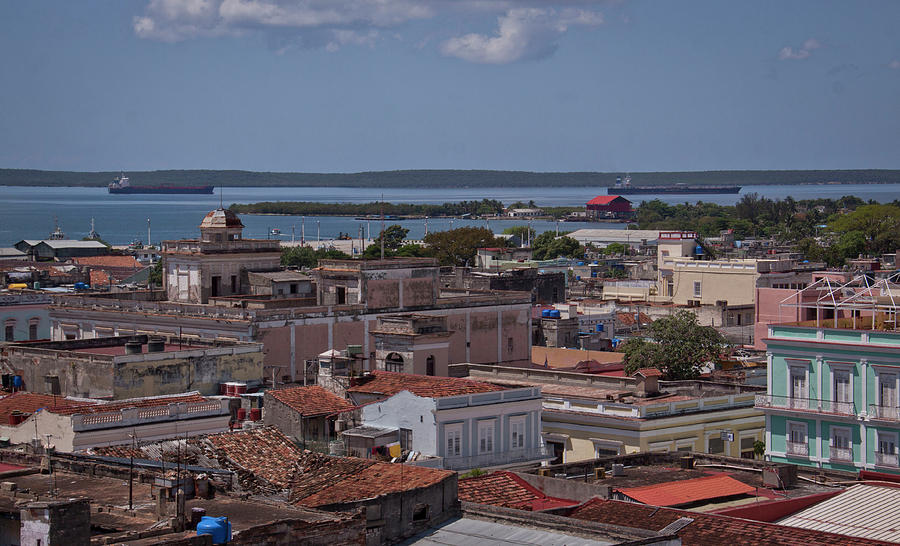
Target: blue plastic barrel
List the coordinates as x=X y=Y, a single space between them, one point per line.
x=17 y=381
x=545 y=313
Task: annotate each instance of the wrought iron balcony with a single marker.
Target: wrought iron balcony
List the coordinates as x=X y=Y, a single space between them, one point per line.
x=889 y=413
x=795 y=448
x=815 y=405
x=841 y=453
x=886 y=459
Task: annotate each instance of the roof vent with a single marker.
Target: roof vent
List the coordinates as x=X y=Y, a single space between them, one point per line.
x=618 y=469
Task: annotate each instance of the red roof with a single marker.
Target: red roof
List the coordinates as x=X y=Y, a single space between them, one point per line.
x=265 y=452
x=649 y=372
x=688 y=491
x=309 y=401
x=427 y=386
x=605 y=199
x=109 y=261
x=148 y=402
x=708 y=529
x=30 y=402
x=505 y=489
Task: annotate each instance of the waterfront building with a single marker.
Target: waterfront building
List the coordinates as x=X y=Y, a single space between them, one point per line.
x=832 y=398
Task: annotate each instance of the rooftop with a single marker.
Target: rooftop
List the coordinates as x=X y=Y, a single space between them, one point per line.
x=504 y=488
x=311 y=401
x=265 y=453
x=864 y=510
x=390 y=383
x=109 y=261
x=221 y=218
x=706 y=529
x=689 y=491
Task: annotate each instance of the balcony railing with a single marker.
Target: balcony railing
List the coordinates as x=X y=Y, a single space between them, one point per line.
x=497 y=459
x=884 y=412
x=886 y=459
x=805 y=404
x=841 y=454
x=796 y=448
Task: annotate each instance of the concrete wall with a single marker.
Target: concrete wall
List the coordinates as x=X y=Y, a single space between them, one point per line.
x=61 y=523
x=346 y=530
x=282 y=417
x=731 y=281
x=20 y=316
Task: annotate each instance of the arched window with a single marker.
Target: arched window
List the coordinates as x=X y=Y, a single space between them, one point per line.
x=33 y=327
x=9 y=330
x=393 y=362
x=429 y=365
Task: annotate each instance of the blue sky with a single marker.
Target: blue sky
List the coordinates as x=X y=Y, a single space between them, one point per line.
x=353 y=85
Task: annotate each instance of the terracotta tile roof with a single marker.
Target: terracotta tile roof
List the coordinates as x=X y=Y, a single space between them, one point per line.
x=688 y=491
x=649 y=372
x=505 y=489
x=148 y=402
x=390 y=383
x=99 y=278
x=627 y=319
x=29 y=402
x=265 y=453
x=109 y=261
x=310 y=401
x=325 y=480
x=707 y=529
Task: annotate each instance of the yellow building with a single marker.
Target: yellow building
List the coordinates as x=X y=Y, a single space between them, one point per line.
x=586 y=416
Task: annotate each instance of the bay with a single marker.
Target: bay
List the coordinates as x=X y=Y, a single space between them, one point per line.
x=30 y=212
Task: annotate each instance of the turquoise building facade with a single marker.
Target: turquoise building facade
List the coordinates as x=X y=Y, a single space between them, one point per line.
x=832 y=397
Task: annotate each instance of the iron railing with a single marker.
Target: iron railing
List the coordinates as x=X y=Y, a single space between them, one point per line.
x=796 y=448
x=884 y=412
x=841 y=453
x=499 y=458
x=886 y=459
x=805 y=404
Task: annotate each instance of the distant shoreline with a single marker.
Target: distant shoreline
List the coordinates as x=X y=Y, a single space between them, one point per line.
x=461 y=179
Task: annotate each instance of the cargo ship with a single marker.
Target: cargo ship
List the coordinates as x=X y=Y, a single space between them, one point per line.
x=122 y=185
x=625 y=188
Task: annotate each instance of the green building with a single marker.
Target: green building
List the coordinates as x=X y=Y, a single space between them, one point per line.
x=832 y=397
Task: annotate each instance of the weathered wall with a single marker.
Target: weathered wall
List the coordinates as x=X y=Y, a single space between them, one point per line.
x=85 y=376
x=390 y=518
x=202 y=373
x=62 y=523
x=282 y=417
x=347 y=530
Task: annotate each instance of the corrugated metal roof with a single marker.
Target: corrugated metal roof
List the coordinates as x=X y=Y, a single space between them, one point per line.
x=473 y=532
x=865 y=511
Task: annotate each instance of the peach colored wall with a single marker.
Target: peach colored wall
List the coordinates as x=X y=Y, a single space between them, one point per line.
x=383 y=293
x=483 y=337
x=347 y=333
x=769 y=311
x=456 y=324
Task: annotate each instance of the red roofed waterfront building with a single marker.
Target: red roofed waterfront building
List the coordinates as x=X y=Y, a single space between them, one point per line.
x=610 y=206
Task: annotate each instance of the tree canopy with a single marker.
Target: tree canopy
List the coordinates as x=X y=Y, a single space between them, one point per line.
x=548 y=246
x=459 y=246
x=305 y=256
x=679 y=347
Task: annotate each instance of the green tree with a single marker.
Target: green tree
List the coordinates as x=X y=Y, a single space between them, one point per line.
x=679 y=347
x=879 y=226
x=305 y=256
x=459 y=246
x=548 y=246
x=524 y=233
x=615 y=248
x=156 y=274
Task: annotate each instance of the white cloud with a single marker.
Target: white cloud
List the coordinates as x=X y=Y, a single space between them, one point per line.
x=527 y=28
x=789 y=53
x=522 y=33
x=895 y=64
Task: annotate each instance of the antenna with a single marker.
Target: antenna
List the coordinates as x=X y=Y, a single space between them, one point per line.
x=221 y=193
x=382 y=226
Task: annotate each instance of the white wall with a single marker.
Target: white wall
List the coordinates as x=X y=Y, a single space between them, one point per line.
x=406 y=410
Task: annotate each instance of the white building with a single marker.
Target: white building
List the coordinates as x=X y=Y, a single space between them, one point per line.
x=467 y=424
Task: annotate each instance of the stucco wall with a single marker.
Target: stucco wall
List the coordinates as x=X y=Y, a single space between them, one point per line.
x=406 y=410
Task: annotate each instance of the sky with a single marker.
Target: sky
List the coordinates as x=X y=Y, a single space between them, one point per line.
x=536 y=85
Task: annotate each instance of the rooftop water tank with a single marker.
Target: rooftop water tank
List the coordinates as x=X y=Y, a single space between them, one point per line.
x=555 y=313
x=545 y=313
x=698 y=250
x=218 y=528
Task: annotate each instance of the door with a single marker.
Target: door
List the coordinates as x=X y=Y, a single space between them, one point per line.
x=798 y=388
x=843 y=396
x=887 y=394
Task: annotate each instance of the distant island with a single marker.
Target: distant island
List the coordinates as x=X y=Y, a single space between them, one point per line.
x=444 y=178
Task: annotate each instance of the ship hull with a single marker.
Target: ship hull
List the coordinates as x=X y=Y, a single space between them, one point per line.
x=163 y=189
x=652 y=190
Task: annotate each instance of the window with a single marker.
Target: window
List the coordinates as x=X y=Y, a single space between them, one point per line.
x=420 y=512
x=887 y=390
x=393 y=363
x=798 y=386
x=405 y=439
x=887 y=448
x=842 y=392
x=10 y=330
x=517 y=432
x=747 y=447
x=293 y=288
x=697 y=289
x=716 y=445
x=341 y=295
x=216 y=285
x=509 y=345
x=486 y=436
x=33 y=328
x=670 y=287
x=429 y=365
x=453 y=434
x=558 y=450
x=840 y=444
x=796 y=439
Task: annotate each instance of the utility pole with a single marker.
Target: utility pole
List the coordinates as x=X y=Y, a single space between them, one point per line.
x=382 y=226
x=318 y=233
x=303 y=231
x=148 y=232
x=131 y=473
